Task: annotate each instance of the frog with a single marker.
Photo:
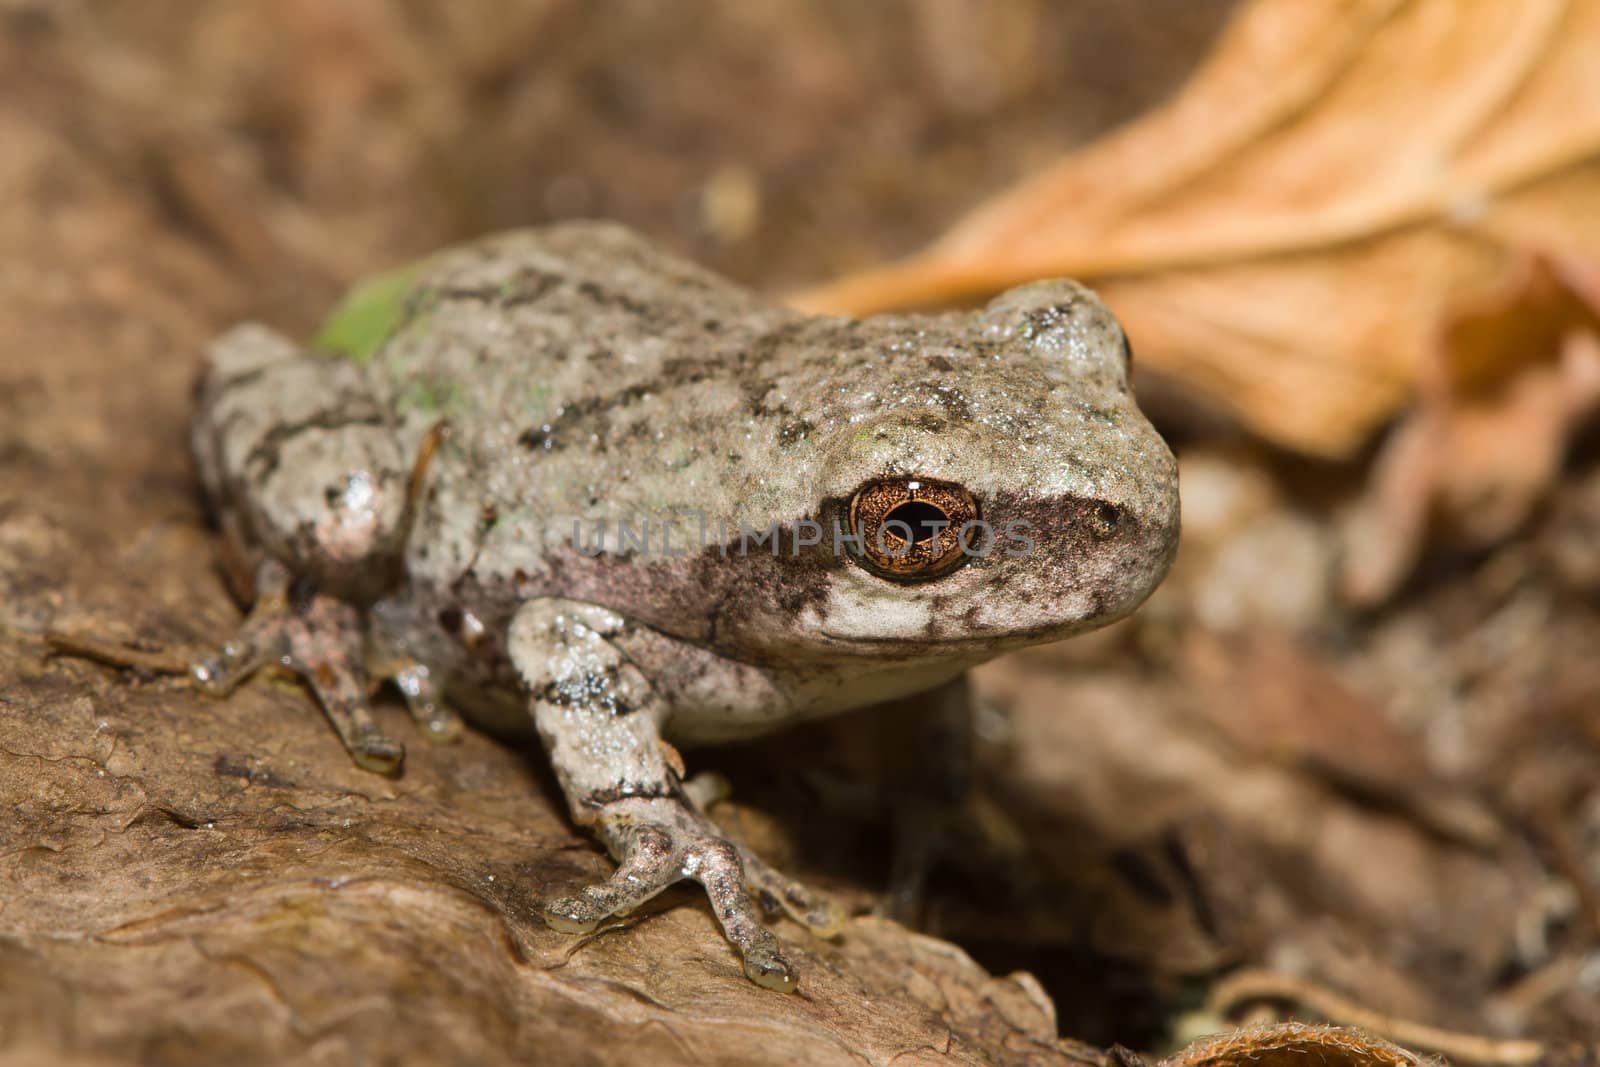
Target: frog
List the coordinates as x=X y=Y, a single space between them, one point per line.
x=576 y=489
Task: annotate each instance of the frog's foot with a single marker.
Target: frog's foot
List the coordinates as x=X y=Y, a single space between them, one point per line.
x=659 y=841
x=775 y=891
x=321 y=639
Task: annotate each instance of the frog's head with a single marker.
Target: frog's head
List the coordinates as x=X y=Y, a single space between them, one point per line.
x=1002 y=488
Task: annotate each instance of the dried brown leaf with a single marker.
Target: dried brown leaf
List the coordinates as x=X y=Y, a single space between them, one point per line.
x=1513 y=375
x=1283 y=236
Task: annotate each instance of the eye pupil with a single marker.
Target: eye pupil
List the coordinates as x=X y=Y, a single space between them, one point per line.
x=923 y=519
x=910 y=529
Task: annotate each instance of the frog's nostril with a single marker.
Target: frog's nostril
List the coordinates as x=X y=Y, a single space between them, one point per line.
x=1104 y=520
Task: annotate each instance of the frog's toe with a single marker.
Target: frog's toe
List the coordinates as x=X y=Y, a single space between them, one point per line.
x=650 y=863
x=775 y=890
x=376 y=752
x=770 y=971
x=260 y=638
x=325 y=642
x=428 y=710
x=718 y=866
x=573 y=915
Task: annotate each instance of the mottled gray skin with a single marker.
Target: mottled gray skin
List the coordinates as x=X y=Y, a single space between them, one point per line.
x=577 y=373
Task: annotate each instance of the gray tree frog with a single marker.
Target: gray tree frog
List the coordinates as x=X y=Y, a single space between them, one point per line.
x=557 y=477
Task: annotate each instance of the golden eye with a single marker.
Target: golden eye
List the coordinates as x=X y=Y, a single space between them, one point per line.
x=910 y=528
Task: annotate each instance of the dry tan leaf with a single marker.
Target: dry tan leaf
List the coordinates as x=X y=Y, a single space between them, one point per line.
x=1524 y=320
x=1284 y=235
x=1514 y=374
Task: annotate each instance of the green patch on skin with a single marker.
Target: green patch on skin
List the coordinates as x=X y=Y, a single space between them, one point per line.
x=367 y=316
x=515 y=516
x=538 y=399
x=431 y=397
x=1104 y=416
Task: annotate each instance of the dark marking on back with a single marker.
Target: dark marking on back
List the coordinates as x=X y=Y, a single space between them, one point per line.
x=794 y=431
x=262 y=461
x=612 y=298
x=219 y=386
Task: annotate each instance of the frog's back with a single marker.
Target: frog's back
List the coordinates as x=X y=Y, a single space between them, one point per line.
x=585 y=377
x=559 y=356
x=556 y=319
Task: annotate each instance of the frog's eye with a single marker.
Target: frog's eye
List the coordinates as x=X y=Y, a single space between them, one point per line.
x=909 y=529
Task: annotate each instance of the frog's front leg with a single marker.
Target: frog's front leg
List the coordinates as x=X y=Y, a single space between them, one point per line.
x=599 y=718
x=322 y=639
x=315 y=495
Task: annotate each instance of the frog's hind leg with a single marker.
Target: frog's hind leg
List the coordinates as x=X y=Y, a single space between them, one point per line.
x=307 y=472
